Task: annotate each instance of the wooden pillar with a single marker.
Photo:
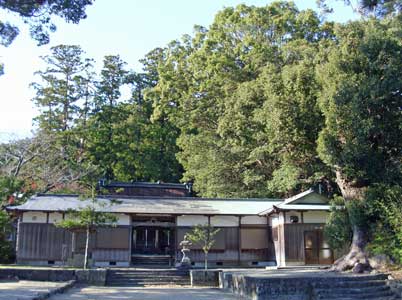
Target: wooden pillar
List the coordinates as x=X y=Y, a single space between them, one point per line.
x=17 y=237
x=176 y=240
x=130 y=245
x=239 y=242
x=269 y=238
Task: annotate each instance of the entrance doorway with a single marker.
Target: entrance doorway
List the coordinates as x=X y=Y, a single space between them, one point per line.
x=152 y=240
x=316 y=249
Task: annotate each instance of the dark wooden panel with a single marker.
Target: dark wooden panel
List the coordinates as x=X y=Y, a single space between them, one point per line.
x=111 y=255
x=254 y=238
x=113 y=238
x=295 y=242
x=232 y=238
x=43 y=242
x=80 y=241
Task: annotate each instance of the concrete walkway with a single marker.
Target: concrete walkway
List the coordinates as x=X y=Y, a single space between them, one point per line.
x=25 y=290
x=131 y=293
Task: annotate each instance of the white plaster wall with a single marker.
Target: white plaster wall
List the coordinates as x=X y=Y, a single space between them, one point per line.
x=315 y=216
x=253 y=220
x=123 y=219
x=281 y=218
x=225 y=221
x=191 y=220
x=292 y=213
x=34 y=217
x=55 y=217
x=274 y=220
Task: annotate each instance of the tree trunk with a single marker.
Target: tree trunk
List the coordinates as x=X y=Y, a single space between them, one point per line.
x=206 y=261
x=357 y=258
x=86 y=250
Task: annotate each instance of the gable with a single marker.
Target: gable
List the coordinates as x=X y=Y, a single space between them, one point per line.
x=312 y=198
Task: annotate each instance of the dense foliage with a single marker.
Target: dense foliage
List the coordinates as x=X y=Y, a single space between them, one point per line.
x=7 y=254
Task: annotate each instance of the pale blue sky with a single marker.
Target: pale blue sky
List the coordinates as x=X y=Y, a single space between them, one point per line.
x=130 y=28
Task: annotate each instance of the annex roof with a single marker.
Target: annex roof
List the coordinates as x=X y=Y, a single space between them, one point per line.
x=149 y=205
x=307 y=200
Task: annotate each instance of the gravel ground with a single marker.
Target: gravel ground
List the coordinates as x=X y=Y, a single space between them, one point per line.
x=25 y=290
x=154 y=293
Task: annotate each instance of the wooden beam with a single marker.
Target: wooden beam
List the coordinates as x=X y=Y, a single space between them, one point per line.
x=176 y=238
x=239 y=242
x=130 y=241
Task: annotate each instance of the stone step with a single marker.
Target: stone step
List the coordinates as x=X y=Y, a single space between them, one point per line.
x=151 y=272
x=151 y=260
x=147 y=277
x=170 y=278
x=147 y=282
x=347 y=278
x=349 y=284
x=362 y=295
x=353 y=290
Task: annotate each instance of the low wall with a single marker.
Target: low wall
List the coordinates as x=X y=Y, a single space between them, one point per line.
x=296 y=286
x=396 y=286
x=37 y=274
x=92 y=276
x=259 y=288
x=204 y=277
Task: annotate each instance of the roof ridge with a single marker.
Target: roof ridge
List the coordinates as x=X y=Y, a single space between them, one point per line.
x=161 y=198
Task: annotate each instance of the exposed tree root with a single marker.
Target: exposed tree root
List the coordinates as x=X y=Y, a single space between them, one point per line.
x=355 y=260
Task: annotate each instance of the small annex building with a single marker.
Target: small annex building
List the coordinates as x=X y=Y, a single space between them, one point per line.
x=153 y=219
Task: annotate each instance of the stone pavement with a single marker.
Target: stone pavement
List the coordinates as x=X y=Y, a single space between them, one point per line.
x=140 y=293
x=25 y=290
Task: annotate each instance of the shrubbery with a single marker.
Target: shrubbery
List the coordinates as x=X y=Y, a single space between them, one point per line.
x=381 y=212
x=384 y=206
x=7 y=254
x=338 y=230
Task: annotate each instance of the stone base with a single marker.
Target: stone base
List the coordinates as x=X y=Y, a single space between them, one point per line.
x=204 y=278
x=91 y=277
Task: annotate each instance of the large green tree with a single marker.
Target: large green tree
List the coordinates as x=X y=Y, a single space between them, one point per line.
x=219 y=87
x=361 y=101
x=61 y=87
x=106 y=115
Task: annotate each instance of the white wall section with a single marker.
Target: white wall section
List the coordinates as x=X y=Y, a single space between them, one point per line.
x=315 y=216
x=253 y=220
x=34 y=217
x=55 y=217
x=190 y=220
x=224 y=221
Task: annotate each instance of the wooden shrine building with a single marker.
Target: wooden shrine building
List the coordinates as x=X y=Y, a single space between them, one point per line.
x=153 y=219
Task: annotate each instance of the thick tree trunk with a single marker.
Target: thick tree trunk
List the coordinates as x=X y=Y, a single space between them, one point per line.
x=357 y=259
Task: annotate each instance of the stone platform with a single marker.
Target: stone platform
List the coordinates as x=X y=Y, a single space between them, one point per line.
x=305 y=284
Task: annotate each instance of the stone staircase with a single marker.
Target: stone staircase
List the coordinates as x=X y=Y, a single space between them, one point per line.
x=354 y=288
x=147 y=277
x=152 y=260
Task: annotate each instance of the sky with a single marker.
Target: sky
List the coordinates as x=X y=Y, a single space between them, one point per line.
x=130 y=28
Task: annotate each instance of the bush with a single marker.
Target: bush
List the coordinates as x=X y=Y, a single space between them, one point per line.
x=7 y=254
x=338 y=231
x=384 y=205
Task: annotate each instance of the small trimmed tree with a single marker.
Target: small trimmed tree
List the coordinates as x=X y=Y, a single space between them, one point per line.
x=203 y=235
x=88 y=218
